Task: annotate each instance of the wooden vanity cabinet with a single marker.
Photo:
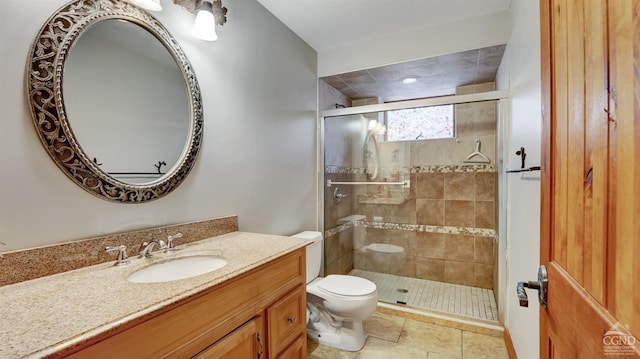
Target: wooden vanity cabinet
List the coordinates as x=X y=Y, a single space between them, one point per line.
x=244 y=342
x=258 y=314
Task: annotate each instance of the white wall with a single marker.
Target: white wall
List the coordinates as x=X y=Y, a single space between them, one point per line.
x=259 y=89
x=328 y=97
x=520 y=73
x=456 y=36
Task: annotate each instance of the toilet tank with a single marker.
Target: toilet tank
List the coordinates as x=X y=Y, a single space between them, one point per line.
x=314 y=253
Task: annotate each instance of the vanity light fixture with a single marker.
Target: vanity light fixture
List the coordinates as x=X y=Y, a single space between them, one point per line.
x=409 y=80
x=151 y=5
x=208 y=15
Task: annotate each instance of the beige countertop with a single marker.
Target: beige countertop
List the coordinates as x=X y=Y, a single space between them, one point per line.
x=46 y=315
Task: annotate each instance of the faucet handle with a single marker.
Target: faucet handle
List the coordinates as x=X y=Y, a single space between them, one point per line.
x=171 y=246
x=123 y=258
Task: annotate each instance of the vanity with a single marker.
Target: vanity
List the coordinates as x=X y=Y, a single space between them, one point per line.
x=253 y=307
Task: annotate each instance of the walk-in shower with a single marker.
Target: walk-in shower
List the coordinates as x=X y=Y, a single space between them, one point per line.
x=411 y=200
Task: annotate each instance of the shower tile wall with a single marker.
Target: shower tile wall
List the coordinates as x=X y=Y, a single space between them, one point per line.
x=338 y=248
x=340 y=158
x=442 y=193
x=457 y=199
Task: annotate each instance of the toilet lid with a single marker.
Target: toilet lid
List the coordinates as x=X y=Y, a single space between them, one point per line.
x=347 y=285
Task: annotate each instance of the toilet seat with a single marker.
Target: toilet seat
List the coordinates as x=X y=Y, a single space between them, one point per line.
x=346 y=285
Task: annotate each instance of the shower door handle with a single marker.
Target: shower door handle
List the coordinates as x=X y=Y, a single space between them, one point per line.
x=541 y=286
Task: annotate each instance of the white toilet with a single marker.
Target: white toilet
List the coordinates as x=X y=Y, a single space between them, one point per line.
x=336 y=304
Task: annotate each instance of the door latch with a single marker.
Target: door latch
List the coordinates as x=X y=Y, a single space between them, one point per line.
x=541 y=286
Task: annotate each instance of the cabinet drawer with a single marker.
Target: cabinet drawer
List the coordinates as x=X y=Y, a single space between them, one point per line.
x=297 y=350
x=287 y=319
x=243 y=342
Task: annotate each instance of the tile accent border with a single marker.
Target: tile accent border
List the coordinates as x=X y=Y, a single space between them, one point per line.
x=344 y=170
x=453 y=168
x=418 y=169
x=412 y=228
x=22 y=265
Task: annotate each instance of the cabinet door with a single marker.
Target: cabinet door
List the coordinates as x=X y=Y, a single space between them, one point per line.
x=296 y=350
x=244 y=342
x=286 y=320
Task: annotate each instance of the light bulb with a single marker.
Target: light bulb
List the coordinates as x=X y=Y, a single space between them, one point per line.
x=373 y=125
x=204 y=27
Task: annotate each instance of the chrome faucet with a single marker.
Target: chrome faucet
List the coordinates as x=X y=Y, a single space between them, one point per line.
x=171 y=246
x=147 y=247
x=122 y=254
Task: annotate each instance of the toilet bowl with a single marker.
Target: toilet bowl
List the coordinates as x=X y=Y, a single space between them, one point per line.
x=336 y=304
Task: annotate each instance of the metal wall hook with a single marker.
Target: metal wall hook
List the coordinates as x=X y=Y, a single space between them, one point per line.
x=159 y=166
x=522 y=155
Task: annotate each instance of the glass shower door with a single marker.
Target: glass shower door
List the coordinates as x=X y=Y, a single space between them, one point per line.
x=368 y=193
x=412 y=213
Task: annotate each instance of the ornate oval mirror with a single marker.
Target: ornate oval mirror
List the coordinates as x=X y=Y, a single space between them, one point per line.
x=114 y=100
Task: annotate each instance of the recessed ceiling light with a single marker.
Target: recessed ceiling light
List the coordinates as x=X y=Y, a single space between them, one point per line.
x=409 y=79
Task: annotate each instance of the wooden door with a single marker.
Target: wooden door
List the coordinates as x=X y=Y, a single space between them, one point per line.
x=590 y=220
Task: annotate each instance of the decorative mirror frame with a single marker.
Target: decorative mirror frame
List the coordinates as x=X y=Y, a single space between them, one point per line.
x=45 y=69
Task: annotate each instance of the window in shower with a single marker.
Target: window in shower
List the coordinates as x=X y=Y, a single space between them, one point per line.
x=420 y=123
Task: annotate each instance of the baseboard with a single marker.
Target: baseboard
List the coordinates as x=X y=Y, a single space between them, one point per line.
x=507 y=341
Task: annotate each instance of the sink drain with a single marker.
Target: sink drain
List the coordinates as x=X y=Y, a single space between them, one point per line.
x=402 y=290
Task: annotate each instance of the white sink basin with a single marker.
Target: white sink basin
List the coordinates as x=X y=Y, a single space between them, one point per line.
x=179 y=268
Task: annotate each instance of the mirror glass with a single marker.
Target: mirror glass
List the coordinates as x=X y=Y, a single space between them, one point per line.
x=114 y=100
x=371 y=155
x=126 y=101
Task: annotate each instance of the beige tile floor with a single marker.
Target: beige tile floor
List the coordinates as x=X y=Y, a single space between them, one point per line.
x=396 y=337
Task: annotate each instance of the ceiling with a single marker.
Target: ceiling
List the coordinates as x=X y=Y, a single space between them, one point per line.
x=332 y=24
x=436 y=76
x=327 y=24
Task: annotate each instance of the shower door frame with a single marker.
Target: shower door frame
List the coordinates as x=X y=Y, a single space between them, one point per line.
x=502 y=137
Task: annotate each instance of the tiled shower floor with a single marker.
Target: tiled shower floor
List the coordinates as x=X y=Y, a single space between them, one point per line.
x=435 y=296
